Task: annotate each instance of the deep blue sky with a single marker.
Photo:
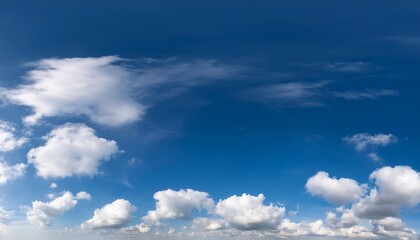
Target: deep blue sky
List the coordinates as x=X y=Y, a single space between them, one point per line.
x=356 y=63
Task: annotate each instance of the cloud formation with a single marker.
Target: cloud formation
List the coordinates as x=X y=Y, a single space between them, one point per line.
x=41 y=213
x=10 y=173
x=248 y=212
x=396 y=187
x=71 y=149
x=112 y=215
x=337 y=191
x=106 y=89
x=8 y=140
x=178 y=204
x=361 y=141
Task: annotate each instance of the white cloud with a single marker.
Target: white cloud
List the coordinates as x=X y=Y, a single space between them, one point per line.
x=178 y=204
x=8 y=140
x=103 y=88
x=71 y=149
x=10 y=173
x=337 y=191
x=396 y=187
x=358 y=66
x=288 y=228
x=95 y=87
x=5 y=217
x=139 y=228
x=53 y=185
x=112 y=215
x=248 y=212
x=391 y=227
x=41 y=213
x=361 y=141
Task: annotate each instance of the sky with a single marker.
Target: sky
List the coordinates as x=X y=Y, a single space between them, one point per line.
x=202 y=120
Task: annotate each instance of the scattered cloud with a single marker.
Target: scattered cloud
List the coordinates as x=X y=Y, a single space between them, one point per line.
x=394 y=228
x=112 y=215
x=71 y=149
x=361 y=141
x=5 y=217
x=337 y=191
x=103 y=88
x=365 y=141
x=41 y=213
x=10 y=173
x=178 y=204
x=53 y=185
x=8 y=140
x=248 y=212
x=209 y=224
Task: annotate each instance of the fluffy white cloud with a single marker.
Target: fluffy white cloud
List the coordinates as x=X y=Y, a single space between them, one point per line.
x=396 y=187
x=112 y=215
x=40 y=213
x=288 y=228
x=8 y=140
x=9 y=173
x=139 y=228
x=248 y=212
x=362 y=141
x=178 y=204
x=338 y=191
x=95 y=87
x=5 y=217
x=391 y=227
x=103 y=88
x=71 y=149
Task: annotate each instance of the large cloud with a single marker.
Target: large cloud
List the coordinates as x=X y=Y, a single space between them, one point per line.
x=103 y=88
x=96 y=87
x=338 y=191
x=112 y=215
x=40 y=213
x=178 y=204
x=248 y=212
x=8 y=140
x=396 y=187
x=71 y=149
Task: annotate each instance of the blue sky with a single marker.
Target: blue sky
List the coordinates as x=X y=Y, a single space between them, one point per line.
x=209 y=119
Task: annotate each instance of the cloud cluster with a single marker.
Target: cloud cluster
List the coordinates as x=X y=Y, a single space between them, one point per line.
x=41 y=213
x=178 y=204
x=112 y=215
x=71 y=149
x=337 y=191
x=248 y=212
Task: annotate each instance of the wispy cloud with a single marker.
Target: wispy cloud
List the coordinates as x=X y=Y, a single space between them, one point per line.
x=350 y=67
x=309 y=94
x=405 y=40
x=369 y=142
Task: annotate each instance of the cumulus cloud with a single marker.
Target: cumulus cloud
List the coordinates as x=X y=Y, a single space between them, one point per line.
x=178 y=204
x=337 y=191
x=361 y=141
x=8 y=140
x=103 y=88
x=112 y=215
x=391 y=227
x=71 y=149
x=396 y=187
x=10 y=173
x=139 y=228
x=41 y=213
x=248 y=212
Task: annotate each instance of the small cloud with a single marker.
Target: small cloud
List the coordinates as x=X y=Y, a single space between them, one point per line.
x=53 y=185
x=374 y=156
x=346 y=66
x=366 y=94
